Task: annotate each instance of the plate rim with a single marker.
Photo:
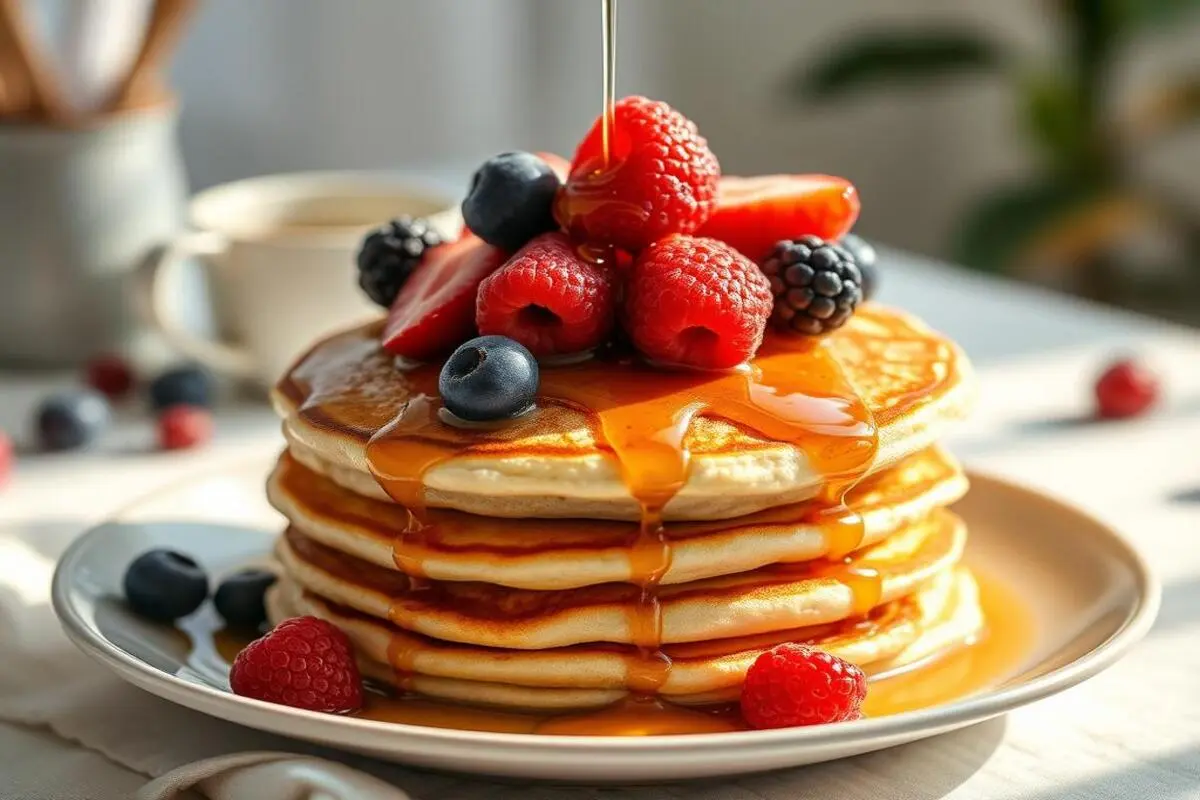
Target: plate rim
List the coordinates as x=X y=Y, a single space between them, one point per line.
x=960 y=713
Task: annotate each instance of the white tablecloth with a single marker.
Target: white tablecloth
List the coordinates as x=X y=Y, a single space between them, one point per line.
x=1132 y=733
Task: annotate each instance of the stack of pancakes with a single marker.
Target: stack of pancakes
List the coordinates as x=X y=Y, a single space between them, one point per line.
x=525 y=572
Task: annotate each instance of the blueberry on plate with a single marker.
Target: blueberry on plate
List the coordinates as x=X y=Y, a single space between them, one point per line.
x=164 y=585
x=240 y=598
x=511 y=200
x=864 y=255
x=70 y=420
x=189 y=385
x=489 y=378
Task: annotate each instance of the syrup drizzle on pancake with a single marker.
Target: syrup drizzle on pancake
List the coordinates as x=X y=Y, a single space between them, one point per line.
x=793 y=392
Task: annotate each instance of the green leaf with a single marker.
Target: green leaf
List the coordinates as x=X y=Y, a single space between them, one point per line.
x=884 y=57
x=1010 y=220
x=1153 y=13
x=1052 y=113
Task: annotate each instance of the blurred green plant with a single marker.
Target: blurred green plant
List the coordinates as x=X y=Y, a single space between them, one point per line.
x=1083 y=200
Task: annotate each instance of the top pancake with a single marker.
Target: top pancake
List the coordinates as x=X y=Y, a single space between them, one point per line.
x=556 y=462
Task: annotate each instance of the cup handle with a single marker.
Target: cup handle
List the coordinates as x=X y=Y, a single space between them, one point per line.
x=152 y=278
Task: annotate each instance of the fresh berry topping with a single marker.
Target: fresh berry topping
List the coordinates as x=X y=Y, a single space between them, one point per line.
x=189 y=385
x=304 y=663
x=181 y=427
x=110 y=375
x=697 y=303
x=163 y=585
x=1126 y=389
x=489 y=378
x=435 y=311
x=793 y=684
x=511 y=199
x=561 y=167
x=6 y=458
x=754 y=213
x=865 y=257
x=71 y=419
x=240 y=598
x=816 y=285
x=661 y=179
x=548 y=298
x=389 y=255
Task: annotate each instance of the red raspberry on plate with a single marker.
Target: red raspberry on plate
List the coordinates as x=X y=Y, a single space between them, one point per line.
x=697 y=303
x=1126 y=389
x=548 y=298
x=753 y=214
x=435 y=310
x=304 y=663
x=110 y=375
x=661 y=179
x=794 y=684
x=181 y=427
x=6 y=458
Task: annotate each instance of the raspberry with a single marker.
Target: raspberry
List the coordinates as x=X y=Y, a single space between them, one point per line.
x=435 y=310
x=6 y=458
x=794 y=684
x=304 y=663
x=753 y=214
x=181 y=427
x=817 y=286
x=696 y=302
x=662 y=179
x=548 y=298
x=110 y=375
x=1126 y=389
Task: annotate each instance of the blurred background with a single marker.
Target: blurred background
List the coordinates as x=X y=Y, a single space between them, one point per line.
x=1047 y=139
x=1052 y=141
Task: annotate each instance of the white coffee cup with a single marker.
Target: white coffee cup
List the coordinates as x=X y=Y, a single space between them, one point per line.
x=280 y=254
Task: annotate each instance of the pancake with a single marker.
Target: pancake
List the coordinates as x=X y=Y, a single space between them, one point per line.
x=563 y=554
x=883 y=387
x=772 y=598
x=941 y=614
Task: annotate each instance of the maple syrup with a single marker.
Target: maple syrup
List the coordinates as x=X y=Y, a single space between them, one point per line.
x=988 y=660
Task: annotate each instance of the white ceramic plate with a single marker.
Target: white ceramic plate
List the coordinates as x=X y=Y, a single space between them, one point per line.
x=1092 y=595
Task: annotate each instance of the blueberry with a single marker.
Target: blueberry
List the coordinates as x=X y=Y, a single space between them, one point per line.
x=187 y=385
x=71 y=419
x=163 y=585
x=865 y=257
x=239 y=598
x=511 y=200
x=489 y=378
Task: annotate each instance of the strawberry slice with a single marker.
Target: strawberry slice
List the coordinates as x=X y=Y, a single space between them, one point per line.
x=435 y=310
x=754 y=213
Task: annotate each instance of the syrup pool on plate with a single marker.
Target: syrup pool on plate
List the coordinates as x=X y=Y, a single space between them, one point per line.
x=975 y=666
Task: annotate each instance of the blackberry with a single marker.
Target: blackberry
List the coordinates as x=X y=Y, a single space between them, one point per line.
x=817 y=285
x=864 y=255
x=389 y=255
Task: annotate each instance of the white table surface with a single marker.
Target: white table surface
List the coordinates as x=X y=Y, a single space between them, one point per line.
x=1133 y=733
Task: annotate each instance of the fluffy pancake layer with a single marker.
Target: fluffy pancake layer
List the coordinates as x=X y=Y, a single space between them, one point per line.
x=554 y=463
x=564 y=554
x=942 y=613
x=772 y=598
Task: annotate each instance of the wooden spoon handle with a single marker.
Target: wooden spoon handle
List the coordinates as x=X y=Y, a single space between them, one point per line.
x=29 y=83
x=144 y=81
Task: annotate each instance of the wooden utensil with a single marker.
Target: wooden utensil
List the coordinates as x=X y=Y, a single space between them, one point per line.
x=29 y=89
x=144 y=85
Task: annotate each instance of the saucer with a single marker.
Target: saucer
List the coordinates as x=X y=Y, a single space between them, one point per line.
x=1089 y=593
